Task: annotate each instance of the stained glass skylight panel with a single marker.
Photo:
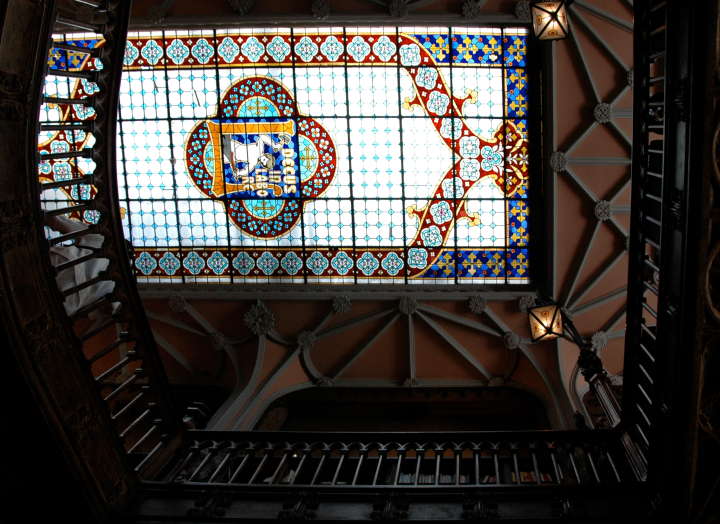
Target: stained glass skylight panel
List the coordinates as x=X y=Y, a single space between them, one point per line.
x=326 y=155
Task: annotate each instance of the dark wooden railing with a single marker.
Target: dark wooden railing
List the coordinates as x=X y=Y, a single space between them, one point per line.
x=670 y=222
x=392 y=460
x=651 y=199
x=78 y=196
x=540 y=475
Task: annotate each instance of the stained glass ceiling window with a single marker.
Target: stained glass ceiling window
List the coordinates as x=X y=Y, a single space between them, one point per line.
x=326 y=155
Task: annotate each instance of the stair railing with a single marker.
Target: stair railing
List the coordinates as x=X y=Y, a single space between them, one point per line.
x=90 y=258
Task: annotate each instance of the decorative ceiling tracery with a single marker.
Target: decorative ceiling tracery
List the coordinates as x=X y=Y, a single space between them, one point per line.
x=588 y=157
x=344 y=343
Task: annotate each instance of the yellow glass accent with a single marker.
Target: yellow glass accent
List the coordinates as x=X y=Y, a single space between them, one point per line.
x=220 y=187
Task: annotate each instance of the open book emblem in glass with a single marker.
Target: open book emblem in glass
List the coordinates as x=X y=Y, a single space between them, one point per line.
x=261 y=157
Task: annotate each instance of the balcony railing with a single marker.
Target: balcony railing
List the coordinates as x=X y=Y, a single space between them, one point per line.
x=401 y=460
x=542 y=475
x=108 y=345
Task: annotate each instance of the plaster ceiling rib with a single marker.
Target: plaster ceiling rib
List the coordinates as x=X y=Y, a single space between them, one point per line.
x=624 y=24
x=220 y=342
x=239 y=396
x=159 y=11
x=352 y=323
x=599 y=301
x=599 y=275
x=172 y=351
x=579 y=138
x=174 y=323
x=585 y=67
x=411 y=351
x=622 y=113
x=620 y=333
x=502 y=326
x=593 y=197
x=455 y=345
x=619 y=189
x=580 y=265
x=472 y=324
x=279 y=338
x=614 y=319
x=522 y=346
x=359 y=351
x=620 y=132
x=599 y=160
x=601 y=41
x=308 y=365
x=555 y=388
x=259 y=396
x=323 y=322
x=411 y=5
x=197 y=317
x=581 y=185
